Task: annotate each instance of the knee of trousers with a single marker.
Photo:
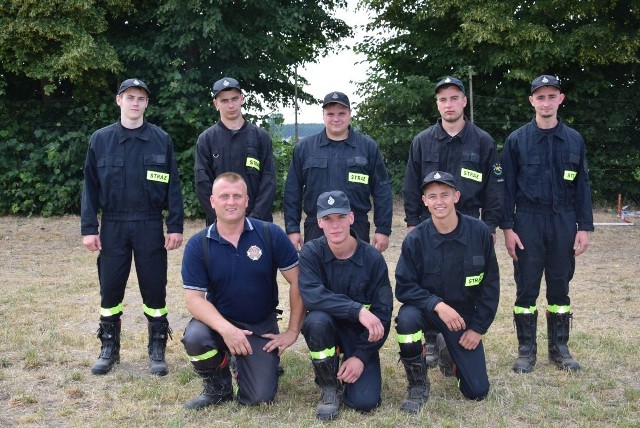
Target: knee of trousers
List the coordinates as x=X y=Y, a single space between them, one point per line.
x=409 y=320
x=198 y=338
x=475 y=389
x=254 y=389
x=362 y=400
x=319 y=330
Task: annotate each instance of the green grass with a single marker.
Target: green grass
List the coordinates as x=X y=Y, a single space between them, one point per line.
x=48 y=311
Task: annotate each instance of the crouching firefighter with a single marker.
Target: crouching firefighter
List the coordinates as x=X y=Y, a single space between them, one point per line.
x=344 y=283
x=447 y=280
x=229 y=276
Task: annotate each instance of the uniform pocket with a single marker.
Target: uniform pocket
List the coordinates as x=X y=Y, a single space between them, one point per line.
x=111 y=171
x=156 y=179
x=314 y=171
x=531 y=174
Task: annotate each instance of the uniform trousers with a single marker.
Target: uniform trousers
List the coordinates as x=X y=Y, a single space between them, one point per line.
x=322 y=331
x=257 y=372
x=548 y=248
x=142 y=240
x=471 y=368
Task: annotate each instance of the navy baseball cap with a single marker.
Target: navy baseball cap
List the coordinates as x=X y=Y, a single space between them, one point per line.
x=333 y=202
x=449 y=81
x=225 y=84
x=133 y=83
x=439 y=177
x=545 y=80
x=338 y=98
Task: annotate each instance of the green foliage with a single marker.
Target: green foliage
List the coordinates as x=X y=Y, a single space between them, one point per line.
x=41 y=167
x=594 y=47
x=54 y=40
x=62 y=60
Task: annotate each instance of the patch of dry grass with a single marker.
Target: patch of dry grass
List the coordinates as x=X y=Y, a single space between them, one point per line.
x=49 y=312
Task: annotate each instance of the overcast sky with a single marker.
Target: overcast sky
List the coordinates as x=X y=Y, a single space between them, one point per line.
x=336 y=72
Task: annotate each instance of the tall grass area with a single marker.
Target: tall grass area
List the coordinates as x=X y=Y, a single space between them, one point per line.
x=49 y=303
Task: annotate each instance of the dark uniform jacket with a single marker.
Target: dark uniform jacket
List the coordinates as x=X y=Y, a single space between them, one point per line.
x=470 y=157
x=131 y=179
x=546 y=172
x=342 y=287
x=247 y=151
x=459 y=269
x=354 y=166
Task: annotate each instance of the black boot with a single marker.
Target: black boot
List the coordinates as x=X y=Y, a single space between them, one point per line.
x=217 y=388
x=419 y=385
x=326 y=371
x=558 y=326
x=109 y=335
x=526 y=329
x=430 y=349
x=158 y=332
x=447 y=366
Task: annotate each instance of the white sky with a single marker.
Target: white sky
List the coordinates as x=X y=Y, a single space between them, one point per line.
x=336 y=72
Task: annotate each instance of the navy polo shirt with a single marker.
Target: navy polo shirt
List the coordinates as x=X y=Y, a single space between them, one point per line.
x=241 y=282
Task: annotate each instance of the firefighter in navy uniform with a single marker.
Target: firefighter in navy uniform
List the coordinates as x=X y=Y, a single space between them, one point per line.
x=342 y=159
x=447 y=280
x=131 y=176
x=235 y=145
x=546 y=221
x=344 y=283
x=459 y=147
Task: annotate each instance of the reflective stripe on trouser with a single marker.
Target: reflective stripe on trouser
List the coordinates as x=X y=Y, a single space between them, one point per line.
x=125 y=242
x=548 y=249
x=322 y=332
x=321 y=355
x=471 y=364
x=115 y=311
x=410 y=338
x=155 y=313
x=257 y=373
x=521 y=310
x=559 y=309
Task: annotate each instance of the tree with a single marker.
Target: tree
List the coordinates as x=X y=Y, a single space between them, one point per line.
x=51 y=41
x=73 y=53
x=593 y=46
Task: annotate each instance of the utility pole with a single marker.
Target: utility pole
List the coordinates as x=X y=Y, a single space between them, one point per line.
x=471 y=92
x=295 y=106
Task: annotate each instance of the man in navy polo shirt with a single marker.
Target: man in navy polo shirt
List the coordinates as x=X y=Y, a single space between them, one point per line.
x=233 y=299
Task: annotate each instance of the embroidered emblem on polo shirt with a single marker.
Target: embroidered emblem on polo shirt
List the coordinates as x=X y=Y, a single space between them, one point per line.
x=254 y=252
